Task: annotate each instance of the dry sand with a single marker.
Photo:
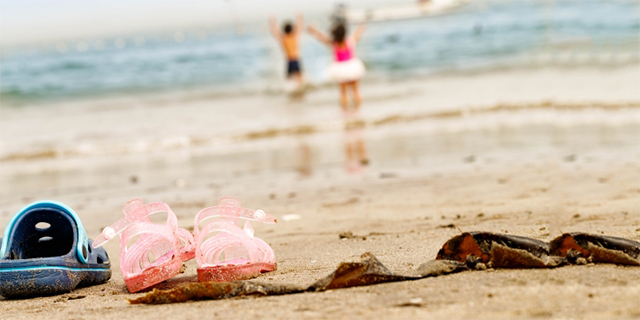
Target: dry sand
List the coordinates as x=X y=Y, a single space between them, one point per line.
x=527 y=152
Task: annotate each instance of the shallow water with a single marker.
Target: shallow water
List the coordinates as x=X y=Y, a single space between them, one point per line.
x=402 y=148
x=481 y=35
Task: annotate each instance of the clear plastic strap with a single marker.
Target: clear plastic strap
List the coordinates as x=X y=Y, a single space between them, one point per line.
x=230 y=208
x=134 y=211
x=229 y=234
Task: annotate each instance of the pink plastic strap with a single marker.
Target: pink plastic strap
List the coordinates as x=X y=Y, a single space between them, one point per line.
x=134 y=211
x=229 y=235
x=230 y=238
x=160 y=242
x=155 y=239
x=266 y=253
x=230 y=208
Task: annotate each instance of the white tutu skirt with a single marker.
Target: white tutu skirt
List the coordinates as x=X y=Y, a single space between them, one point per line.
x=346 y=71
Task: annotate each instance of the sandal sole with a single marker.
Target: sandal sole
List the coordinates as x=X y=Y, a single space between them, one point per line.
x=154 y=275
x=234 y=272
x=48 y=280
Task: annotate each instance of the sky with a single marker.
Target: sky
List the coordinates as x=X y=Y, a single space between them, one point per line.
x=36 y=21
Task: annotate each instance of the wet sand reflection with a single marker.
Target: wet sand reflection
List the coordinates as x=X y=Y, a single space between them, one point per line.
x=355 y=146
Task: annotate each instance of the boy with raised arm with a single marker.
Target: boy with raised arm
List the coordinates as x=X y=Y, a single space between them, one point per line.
x=290 y=44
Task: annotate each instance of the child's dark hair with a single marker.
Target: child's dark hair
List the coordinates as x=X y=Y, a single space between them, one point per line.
x=288 y=27
x=339 y=32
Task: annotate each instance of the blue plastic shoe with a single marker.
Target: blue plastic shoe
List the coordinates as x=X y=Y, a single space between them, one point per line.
x=45 y=251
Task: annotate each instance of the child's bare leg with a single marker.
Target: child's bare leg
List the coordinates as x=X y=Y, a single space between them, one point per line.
x=362 y=150
x=356 y=95
x=298 y=77
x=343 y=96
x=350 y=152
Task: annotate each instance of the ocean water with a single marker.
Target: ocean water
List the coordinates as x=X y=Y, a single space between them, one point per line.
x=481 y=35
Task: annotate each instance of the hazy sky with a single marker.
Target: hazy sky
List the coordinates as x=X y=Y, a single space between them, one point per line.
x=29 y=21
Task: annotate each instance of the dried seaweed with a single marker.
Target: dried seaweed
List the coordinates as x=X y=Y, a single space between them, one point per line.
x=435 y=268
x=507 y=257
x=215 y=291
x=366 y=272
x=350 y=235
x=580 y=248
x=484 y=249
x=467 y=251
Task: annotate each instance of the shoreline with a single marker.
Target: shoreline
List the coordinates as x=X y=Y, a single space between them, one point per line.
x=536 y=61
x=441 y=96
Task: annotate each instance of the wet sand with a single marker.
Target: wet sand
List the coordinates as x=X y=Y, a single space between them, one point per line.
x=527 y=152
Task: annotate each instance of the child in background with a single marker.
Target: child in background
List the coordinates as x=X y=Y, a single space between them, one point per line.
x=347 y=69
x=289 y=41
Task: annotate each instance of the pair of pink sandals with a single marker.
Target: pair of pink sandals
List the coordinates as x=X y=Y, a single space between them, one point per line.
x=224 y=251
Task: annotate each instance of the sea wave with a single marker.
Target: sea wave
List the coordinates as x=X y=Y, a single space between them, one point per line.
x=497 y=34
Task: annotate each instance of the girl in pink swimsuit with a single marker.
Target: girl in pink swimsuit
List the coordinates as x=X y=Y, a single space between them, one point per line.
x=347 y=69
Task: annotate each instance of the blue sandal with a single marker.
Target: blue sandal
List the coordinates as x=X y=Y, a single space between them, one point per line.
x=46 y=251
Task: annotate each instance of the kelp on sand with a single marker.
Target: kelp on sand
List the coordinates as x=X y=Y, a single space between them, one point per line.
x=467 y=251
x=369 y=270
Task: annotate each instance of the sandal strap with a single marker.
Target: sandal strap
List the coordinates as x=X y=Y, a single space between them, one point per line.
x=161 y=241
x=266 y=251
x=135 y=211
x=229 y=235
x=229 y=208
x=153 y=238
x=187 y=251
x=81 y=234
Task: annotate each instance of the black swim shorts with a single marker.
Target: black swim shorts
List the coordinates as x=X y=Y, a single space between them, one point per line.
x=293 y=67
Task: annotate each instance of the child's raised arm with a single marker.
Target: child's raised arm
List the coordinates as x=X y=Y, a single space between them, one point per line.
x=319 y=35
x=299 y=26
x=357 y=34
x=273 y=26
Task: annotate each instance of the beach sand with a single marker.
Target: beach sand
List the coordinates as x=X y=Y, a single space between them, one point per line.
x=532 y=152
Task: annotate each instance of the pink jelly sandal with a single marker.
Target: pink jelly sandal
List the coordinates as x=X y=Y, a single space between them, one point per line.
x=167 y=244
x=224 y=251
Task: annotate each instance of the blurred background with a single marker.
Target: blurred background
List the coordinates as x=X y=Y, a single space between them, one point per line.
x=116 y=99
x=69 y=49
